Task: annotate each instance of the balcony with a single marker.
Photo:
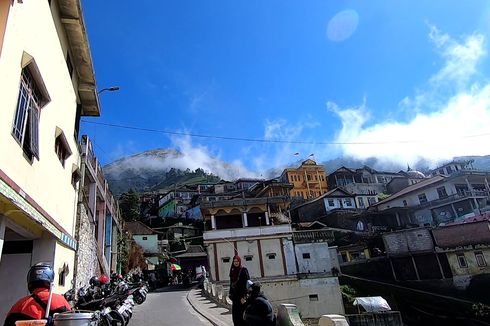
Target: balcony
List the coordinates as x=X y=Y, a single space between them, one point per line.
x=462 y=195
x=247 y=232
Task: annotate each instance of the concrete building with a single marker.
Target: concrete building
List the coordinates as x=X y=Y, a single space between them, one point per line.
x=98 y=223
x=366 y=181
x=440 y=199
x=467 y=247
x=309 y=180
x=293 y=266
x=47 y=84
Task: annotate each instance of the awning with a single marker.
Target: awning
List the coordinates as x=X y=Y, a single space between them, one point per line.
x=372 y=304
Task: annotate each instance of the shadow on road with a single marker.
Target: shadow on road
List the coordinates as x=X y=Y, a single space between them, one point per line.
x=174 y=288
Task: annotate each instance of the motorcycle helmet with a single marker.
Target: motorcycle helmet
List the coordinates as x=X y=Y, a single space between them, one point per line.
x=94 y=281
x=104 y=279
x=40 y=275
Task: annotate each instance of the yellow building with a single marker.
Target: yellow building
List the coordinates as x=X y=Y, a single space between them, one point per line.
x=309 y=180
x=47 y=82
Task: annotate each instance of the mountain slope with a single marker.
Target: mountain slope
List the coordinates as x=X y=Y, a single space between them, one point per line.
x=154 y=170
x=161 y=169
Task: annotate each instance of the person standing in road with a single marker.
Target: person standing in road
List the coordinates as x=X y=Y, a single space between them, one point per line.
x=238 y=290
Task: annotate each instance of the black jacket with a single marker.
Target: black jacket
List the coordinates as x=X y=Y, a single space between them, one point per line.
x=239 y=288
x=259 y=312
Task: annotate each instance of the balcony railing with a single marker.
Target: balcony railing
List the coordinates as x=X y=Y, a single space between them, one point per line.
x=465 y=194
x=313 y=236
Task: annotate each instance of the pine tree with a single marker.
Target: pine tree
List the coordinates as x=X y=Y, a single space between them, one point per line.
x=129 y=203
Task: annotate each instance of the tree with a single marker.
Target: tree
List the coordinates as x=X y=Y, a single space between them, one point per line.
x=129 y=203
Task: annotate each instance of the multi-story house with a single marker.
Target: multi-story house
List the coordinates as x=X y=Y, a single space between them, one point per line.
x=452 y=167
x=98 y=223
x=309 y=180
x=365 y=180
x=440 y=199
x=47 y=83
x=293 y=266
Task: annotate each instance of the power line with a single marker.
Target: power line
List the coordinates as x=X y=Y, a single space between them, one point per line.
x=261 y=140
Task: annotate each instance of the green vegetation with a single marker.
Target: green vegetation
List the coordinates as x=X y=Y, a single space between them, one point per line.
x=129 y=204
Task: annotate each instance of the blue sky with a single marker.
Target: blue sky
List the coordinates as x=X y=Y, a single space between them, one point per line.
x=397 y=80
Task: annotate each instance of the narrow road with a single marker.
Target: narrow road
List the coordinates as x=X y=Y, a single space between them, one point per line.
x=169 y=307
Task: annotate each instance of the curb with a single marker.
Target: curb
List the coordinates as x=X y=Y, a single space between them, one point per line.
x=208 y=318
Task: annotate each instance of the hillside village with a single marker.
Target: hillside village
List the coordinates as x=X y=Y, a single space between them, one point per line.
x=308 y=225
x=317 y=240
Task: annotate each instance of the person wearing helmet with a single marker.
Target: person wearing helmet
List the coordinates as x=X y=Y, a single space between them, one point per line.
x=259 y=311
x=33 y=306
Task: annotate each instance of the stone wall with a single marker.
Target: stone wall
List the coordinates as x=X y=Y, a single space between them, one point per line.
x=87 y=263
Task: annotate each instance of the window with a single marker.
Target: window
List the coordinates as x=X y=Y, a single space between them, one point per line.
x=480 y=259
x=33 y=96
x=462 y=261
x=360 y=201
x=313 y=297
x=441 y=191
x=225 y=259
x=26 y=123
x=372 y=200
x=271 y=256
x=331 y=203
x=75 y=175
x=306 y=255
x=248 y=258
x=61 y=146
x=347 y=202
x=449 y=170
x=422 y=198
x=405 y=204
x=145 y=238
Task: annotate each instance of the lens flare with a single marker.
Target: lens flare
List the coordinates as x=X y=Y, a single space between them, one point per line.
x=342 y=25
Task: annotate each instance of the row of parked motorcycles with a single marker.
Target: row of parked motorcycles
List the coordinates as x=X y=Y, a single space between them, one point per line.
x=105 y=302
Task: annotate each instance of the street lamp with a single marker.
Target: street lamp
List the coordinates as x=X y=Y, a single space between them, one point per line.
x=109 y=89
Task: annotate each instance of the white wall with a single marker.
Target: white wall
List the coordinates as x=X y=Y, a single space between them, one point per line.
x=250 y=248
x=290 y=257
x=298 y=292
x=319 y=261
x=272 y=267
x=45 y=178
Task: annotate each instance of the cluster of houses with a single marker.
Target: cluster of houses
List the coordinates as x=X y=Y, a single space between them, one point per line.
x=55 y=204
x=298 y=231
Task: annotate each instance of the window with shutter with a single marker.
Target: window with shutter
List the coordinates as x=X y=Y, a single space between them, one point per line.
x=32 y=98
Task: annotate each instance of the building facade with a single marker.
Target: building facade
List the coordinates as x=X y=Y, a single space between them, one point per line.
x=98 y=223
x=293 y=266
x=309 y=180
x=441 y=199
x=47 y=84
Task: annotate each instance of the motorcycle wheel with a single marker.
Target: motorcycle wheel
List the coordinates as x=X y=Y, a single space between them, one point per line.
x=138 y=298
x=117 y=319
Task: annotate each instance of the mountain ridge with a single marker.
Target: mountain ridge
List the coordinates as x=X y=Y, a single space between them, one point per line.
x=160 y=169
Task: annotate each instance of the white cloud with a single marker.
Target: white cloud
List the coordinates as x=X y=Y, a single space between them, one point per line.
x=453 y=115
x=185 y=156
x=461 y=59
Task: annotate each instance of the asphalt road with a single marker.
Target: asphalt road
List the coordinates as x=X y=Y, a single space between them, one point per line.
x=169 y=307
